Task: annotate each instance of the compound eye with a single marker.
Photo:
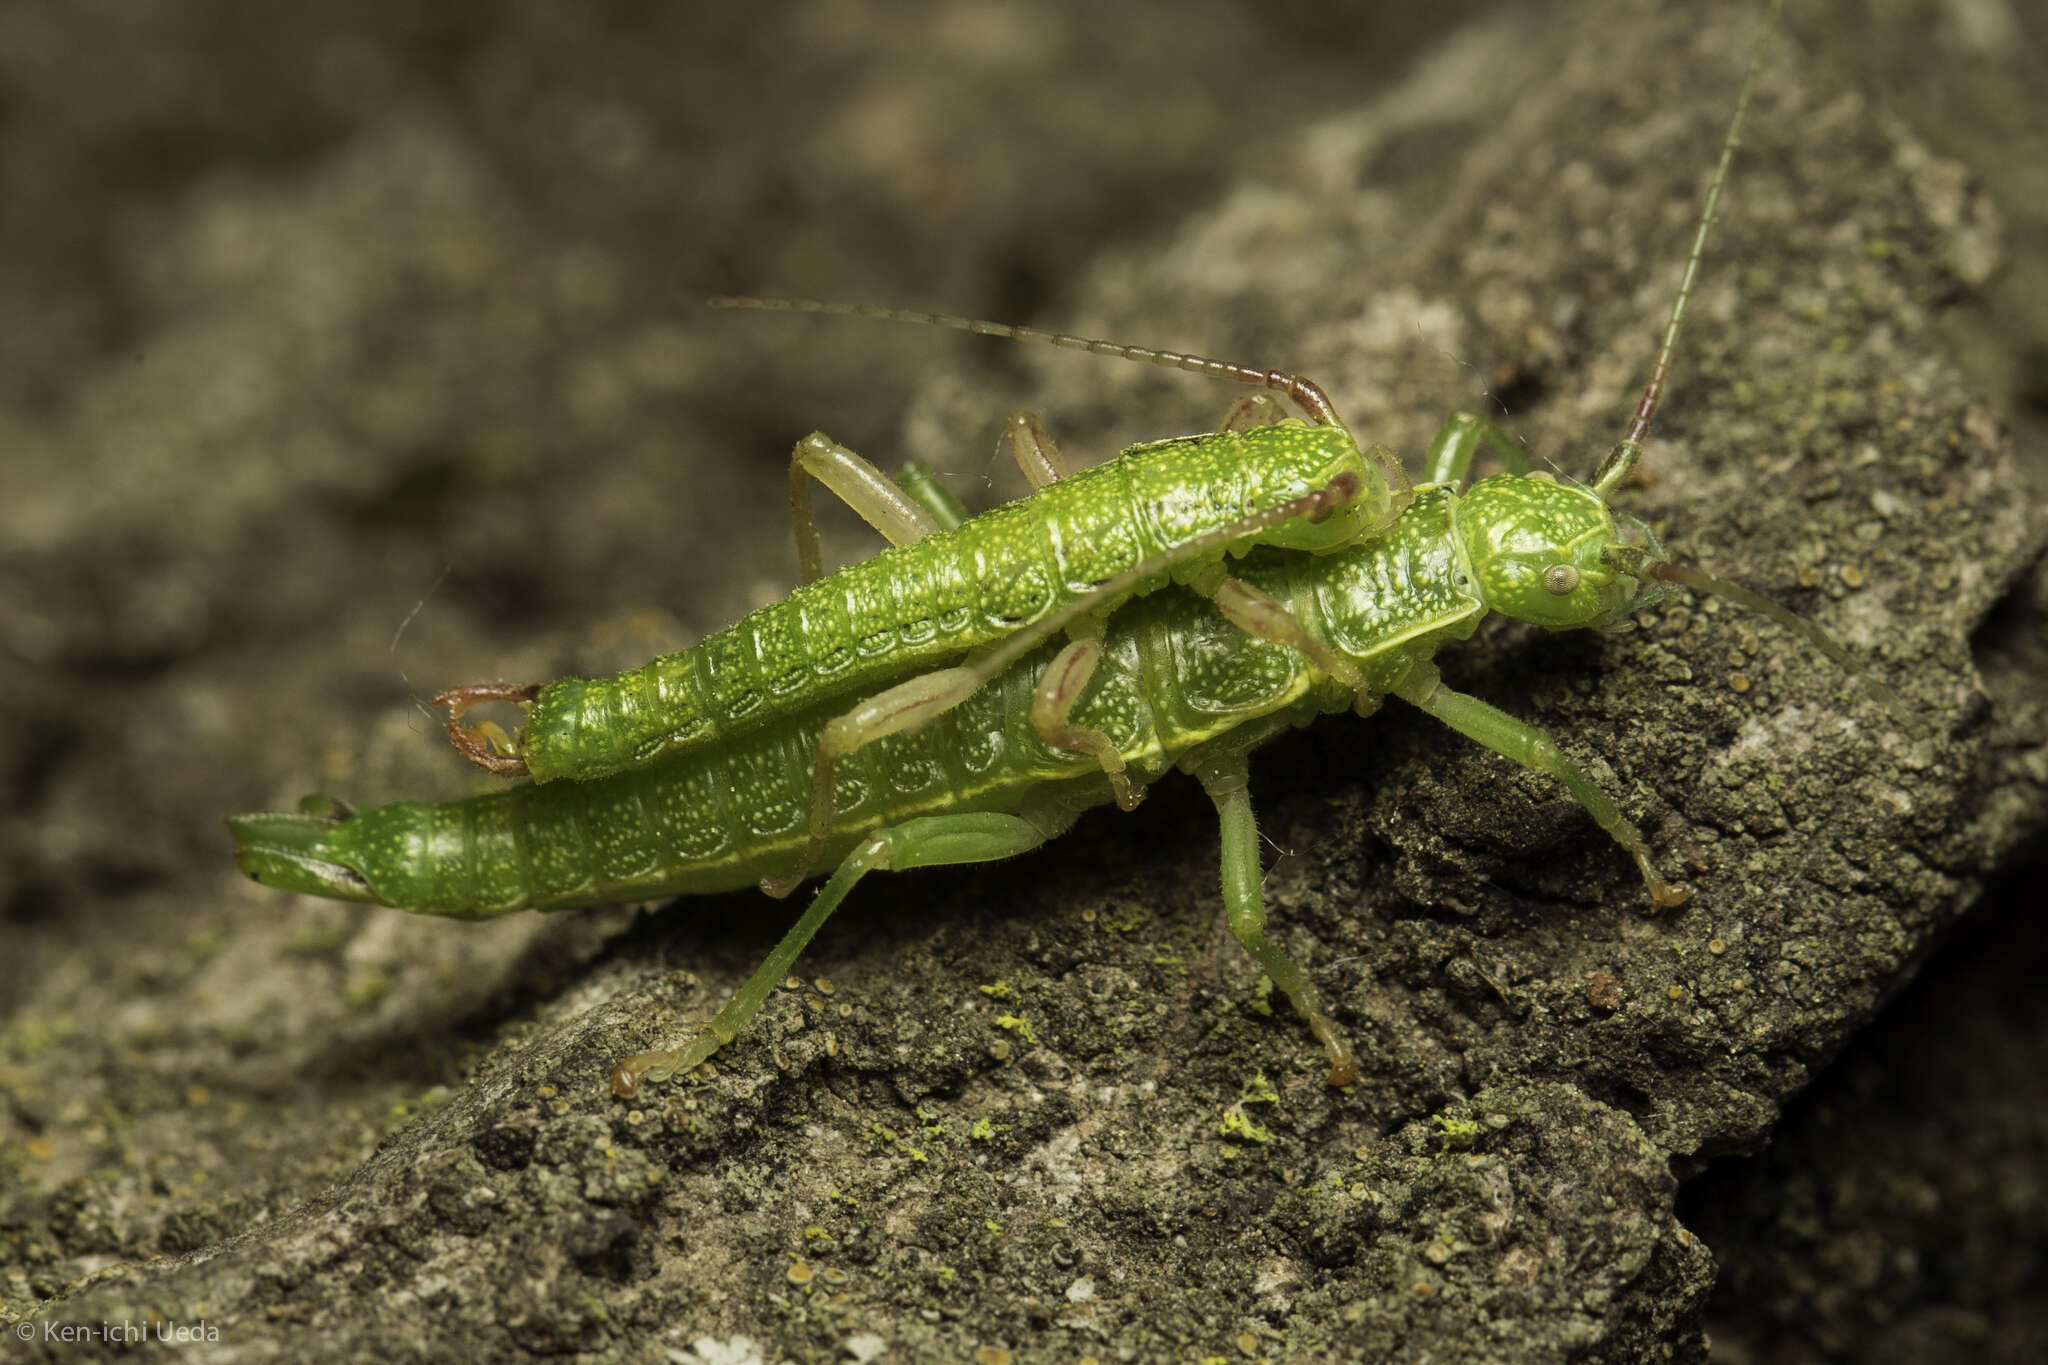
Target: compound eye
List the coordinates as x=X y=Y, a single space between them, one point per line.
x=1560 y=580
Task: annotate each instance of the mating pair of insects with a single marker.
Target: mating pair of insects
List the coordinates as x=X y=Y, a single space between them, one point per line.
x=965 y=695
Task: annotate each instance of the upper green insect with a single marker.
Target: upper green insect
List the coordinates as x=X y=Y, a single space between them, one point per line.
x=1071 y=552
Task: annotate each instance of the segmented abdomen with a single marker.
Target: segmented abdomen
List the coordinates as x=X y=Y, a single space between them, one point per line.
x=905 y=610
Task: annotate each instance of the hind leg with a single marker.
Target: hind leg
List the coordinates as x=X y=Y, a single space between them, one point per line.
x=929 y=841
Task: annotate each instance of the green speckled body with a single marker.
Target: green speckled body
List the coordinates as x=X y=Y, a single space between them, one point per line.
x=1175 y=677
x=922 y=606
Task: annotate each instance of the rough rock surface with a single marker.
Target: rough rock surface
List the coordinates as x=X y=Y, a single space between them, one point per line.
x=409 y=332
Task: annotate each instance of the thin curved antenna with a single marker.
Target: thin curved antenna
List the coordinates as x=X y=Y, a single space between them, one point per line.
x=1687 y=576
x=1305 y=394
x=1621 y=461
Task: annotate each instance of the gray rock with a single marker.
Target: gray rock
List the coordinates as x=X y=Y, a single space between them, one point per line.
x=414 y=355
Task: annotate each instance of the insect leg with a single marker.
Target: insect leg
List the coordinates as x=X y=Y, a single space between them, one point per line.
x=900 y=518
x=1423 y=686
x=1066 y=678
x=1227 y=779
x=924 y=489
x=1252 y=410
x=906 y=706
x=1261 y=615
x=928 y=841
x=1459 y=439
x=1037 y=455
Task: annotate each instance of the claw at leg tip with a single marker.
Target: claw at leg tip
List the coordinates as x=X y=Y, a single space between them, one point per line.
x=1672 y=896
x=625 y=1078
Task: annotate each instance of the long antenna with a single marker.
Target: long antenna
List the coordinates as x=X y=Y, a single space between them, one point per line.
x=1621 y=461
x=1654 y=392
x=1305 y=394
x=1633 y=560
x=1699 y=581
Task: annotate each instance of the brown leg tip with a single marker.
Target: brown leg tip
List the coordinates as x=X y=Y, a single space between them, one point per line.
x=625 y=1078
x=1672 y=896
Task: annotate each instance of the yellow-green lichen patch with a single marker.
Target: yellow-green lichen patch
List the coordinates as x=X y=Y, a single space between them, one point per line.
x=1237 y=1127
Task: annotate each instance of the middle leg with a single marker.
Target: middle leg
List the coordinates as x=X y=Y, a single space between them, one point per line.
x=1052 y=709
x=1227 y=778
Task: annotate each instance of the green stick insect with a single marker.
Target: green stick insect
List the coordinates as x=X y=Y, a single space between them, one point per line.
x=1193 y=680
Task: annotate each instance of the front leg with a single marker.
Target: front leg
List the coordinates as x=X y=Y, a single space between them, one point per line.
x=1459 y=439
x=1497 y=730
